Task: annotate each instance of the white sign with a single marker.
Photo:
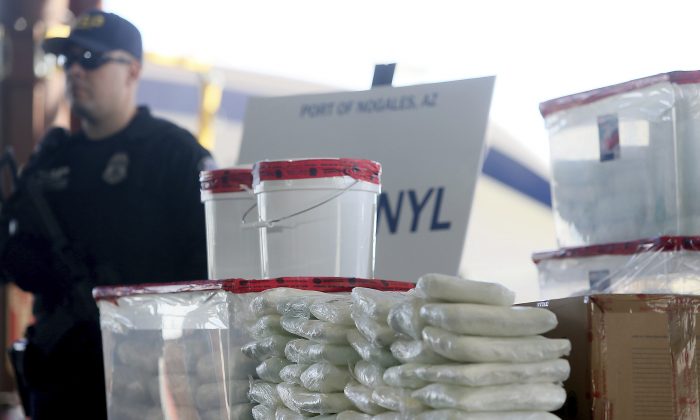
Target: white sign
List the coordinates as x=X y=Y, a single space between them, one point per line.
x=429 y=140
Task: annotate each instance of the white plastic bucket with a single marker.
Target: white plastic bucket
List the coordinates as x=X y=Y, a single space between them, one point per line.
x=317 y=217
x=232 y=252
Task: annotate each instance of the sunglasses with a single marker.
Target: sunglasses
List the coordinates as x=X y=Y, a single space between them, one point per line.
x=90 y=60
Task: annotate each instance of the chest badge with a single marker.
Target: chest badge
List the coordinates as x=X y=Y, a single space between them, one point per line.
x=117 y=169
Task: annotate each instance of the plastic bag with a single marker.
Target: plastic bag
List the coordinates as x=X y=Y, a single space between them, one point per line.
x=376 y=332
x=513 y=397
x=361 y=396
x=239 y=366
x=369 y=352
x=375 y=304
x=265 y=303
x=305 y=351
x=488 y=374
x=415 y=351
x=283 y=413
x=455 y=289
x=300 y=400
x=213 y=395
x=390 y=415
x=496 y=415
x=292 y=373
x=404 y=376
x=319 y=331
x=353 y=415
x=269 y=370
x=325 y=377
x=272 y=346
x=300 y=306
x=396 y=399
x=237 y=411
x=405 y=318
x=492 y=321
x=369 y=374
x=266 y=326
x=264 y=412
x=336 y=311
x=263 y=392
x=464 y=348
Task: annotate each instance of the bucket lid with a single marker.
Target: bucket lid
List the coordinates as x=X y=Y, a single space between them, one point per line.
x=583 y=98
x=660 y=244
x=319 y=284
x=225 y=180
x=360 y=169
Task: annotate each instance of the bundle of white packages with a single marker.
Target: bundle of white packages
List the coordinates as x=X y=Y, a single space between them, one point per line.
x=370 y=352
x=292 y=373
x=512 y=397
x=405 y=318
x=375 y=304
x=335 y=311
x=454 y=289
x=369 y=374
x=325 y=377
x=353 y=415
x=315 y=330
x=299 y=400
x=485 y=374
x=361 y=396
x=448 y=414
x=404 y=376
x=305 y=351
x=416 y=351
x=397 y=399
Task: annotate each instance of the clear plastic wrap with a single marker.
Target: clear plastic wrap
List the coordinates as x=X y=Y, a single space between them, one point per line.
x=456 y=289
x=266 y=326
x=369 y=352
x=300 y=400
x=269 y=369
x=319 y=331
x=272 y=346
x=336 y=310
x=299 y=306
x=487 y=320
x=306 y=351
x=488 y=374
x=404 y=376
x=376 y=332
x=361 y=396
x=263 y=392
x=266 y=302
x=397 y=399
x=216 y=395
x=513 y=397
x=624 y=160
x=462 y=348
x=283 y=413
x=264 y=412
x=405 y=318
x=659 y=265
x=353 y=415
x=325 y=377
x=415 y=351
x=292 y=373
x=369 y=374
x=375 y=304
x=496 y=415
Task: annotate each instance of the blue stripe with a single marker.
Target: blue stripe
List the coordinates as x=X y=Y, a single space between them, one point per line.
x=184 y=99
x=501 y=167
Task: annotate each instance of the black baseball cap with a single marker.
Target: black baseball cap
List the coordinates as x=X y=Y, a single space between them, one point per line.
x=99 y=31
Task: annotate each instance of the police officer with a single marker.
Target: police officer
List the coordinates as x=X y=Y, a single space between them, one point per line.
x=123 y=192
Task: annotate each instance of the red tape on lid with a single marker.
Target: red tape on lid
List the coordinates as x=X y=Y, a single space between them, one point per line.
x=319 y=284
x=660 y=244
x=225 y=180
x=360 y=169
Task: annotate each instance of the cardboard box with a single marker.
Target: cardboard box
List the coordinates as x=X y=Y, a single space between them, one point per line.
x=633 y=356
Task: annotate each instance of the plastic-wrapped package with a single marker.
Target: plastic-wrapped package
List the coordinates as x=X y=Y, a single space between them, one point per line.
x=369 y=352
x=319 y=331
x=353 y=415
x=487 y=374
x=513 y=397
x=264 y=412
x=325 y=377
x=375 y=304
x=263 y=392
x=489 y=320
x=300 y=400
x=448 y=414
x=272 y=346
x=456 y=289
x=405 y=318
x=376 y=332
x=292 y=373
x=369 y=374
x=462 y=348
x=336 y=310
x=396 y=399
x=265 y=303
x=306 y=351
x=266 y=326
x=215 y=395
x=391 y=415
x=300 y=306
x=269 y=369
x=404 y=376
x=415 y=351
x=361 y=396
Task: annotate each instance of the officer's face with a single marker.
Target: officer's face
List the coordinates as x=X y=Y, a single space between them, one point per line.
x=100 y=84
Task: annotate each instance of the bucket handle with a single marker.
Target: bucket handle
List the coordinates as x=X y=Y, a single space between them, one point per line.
x=271 y=223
